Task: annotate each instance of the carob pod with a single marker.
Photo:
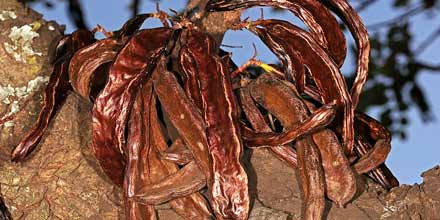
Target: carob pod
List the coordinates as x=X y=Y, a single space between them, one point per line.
x=285 y=153
x=138 y=157
x=189 y=70
x=134 y=64
x=373 y=146
x=88 y=60
x=183 y=183
x=178 y=153
x=320 y=22
x=55 y=92
x=146 y=162
x=319 y=119
x=290 y=110
x=229 y=185
x=357 y=28
x=372 y=130
x=194 y=205
x=368 y=131
x=185 y=117
x=325 y=72
x=281 y=96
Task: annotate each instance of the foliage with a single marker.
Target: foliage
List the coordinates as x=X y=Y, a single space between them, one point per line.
x=395 y=67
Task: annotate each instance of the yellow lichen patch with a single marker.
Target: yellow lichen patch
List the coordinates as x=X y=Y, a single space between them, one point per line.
x=31 y=60
x=36 y=25
x=33 y=70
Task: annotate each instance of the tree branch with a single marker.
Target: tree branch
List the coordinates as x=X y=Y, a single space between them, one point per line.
x=364 y=5
x=428 y=41
x=402 y=17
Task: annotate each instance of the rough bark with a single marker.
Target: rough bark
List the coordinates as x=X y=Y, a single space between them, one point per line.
x=62 y=180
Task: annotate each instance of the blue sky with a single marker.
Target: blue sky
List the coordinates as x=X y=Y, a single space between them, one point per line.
x=407 y=159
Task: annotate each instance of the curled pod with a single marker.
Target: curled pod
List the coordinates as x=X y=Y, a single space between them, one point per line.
x=325 y=73
x=373 y=146
x=286 y=106
x=56 y=90
x=285 y=153
x=357 y=28
x=89 y=66
x=87 y=61
x=321 y=23
x=340 y=180
x=133 y=65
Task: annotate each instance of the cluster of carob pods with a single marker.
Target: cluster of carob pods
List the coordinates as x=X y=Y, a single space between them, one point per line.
x=172 y=113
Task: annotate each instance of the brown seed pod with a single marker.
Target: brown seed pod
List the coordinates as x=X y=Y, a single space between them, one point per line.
x=56 y=90
x=290 y=110
x=134 y=64
x=229 y=186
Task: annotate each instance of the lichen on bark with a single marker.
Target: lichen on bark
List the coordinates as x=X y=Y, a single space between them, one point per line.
x=62 y=180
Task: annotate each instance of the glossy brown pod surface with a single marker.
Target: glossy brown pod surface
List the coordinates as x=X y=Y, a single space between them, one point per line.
x=145 y=167
x=285 y=153
x=339 y=177
x=318 y=19
x=229 y=189
x=134 y=64
x=290 y=110
x=325 y=73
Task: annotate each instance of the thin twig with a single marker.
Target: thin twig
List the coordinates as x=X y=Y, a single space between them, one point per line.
x=364 y=5
x=427 y=42
x=431 y=67
x=76 y=14
x=135 y=5
x=402 y=17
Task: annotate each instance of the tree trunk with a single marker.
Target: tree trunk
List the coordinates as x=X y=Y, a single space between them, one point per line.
x=62 y=180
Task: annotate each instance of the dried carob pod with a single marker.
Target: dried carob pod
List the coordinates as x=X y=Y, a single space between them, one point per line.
x=134 y=64
x=194 y=205
x=290 y=111
x=185 y=117
x=372 y=145
x=138 y=166
x=360 y=34
x=145 y=166
x=322 y=25
x=285 y=153
x=56 y=90
x=89 y=66
x=325 y=73
x=229 y=185
x=339 y=177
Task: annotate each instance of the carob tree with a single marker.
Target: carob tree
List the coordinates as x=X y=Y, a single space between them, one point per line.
x=172 y=112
